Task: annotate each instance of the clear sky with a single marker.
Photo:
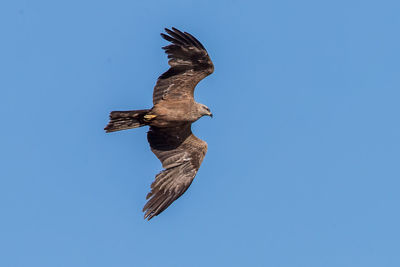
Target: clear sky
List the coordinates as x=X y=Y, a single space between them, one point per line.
x=303 y=164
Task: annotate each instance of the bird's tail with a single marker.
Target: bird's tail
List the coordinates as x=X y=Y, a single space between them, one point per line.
x=123 y=120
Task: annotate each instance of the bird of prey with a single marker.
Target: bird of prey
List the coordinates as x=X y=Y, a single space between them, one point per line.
x=170 y=119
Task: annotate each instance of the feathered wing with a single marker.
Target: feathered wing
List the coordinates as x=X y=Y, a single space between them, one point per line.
x=181 y=154
x=189 y=63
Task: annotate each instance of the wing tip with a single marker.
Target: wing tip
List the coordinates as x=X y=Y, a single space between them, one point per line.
x=181 y=38
x=147 y=217
x=148 y=213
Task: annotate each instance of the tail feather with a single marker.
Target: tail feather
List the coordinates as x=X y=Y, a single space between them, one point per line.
x=123 y=120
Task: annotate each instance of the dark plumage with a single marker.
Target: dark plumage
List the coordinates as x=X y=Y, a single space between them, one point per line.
x=170 y=119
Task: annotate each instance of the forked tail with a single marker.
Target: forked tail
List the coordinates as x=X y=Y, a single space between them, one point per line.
x=123 y=120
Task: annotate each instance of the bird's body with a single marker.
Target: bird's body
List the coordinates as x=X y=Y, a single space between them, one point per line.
x=170 y=119
x=167 y=115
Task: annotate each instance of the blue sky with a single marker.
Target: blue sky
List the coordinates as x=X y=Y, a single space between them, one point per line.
x=303 y=161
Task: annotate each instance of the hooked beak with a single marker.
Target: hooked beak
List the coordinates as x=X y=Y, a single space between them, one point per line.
x=211 y=115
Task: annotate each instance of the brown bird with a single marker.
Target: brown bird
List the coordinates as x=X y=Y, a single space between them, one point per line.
x=170 y=119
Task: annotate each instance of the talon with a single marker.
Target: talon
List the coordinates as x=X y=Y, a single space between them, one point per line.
x=149 y=117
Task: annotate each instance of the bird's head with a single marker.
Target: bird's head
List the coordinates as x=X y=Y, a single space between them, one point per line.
x=205 y=111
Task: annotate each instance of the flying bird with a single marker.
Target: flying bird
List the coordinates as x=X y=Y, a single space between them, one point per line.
x=174 y=110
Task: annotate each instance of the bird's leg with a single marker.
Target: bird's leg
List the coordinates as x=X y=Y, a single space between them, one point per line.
x=149 y=117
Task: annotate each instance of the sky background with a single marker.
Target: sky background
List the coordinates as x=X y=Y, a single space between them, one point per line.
x=303 y=154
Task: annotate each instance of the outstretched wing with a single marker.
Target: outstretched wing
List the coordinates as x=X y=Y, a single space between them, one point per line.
x=189 y=63
x=181 y=154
